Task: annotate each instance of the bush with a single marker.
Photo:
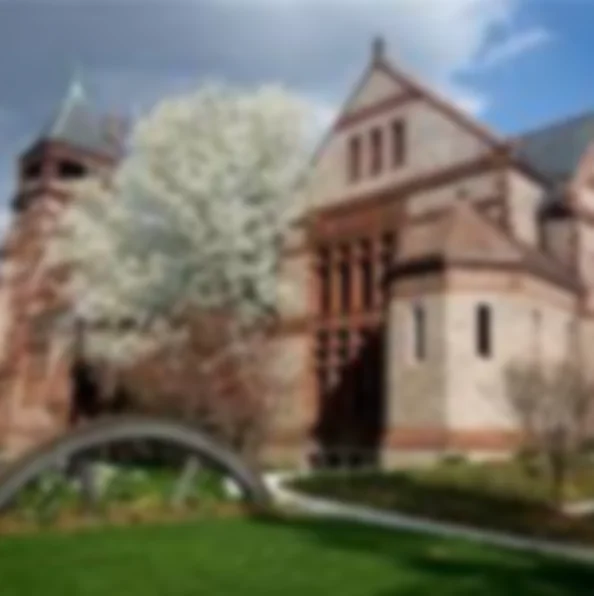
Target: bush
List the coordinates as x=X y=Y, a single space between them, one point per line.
x=464 y=505
x=453 y=459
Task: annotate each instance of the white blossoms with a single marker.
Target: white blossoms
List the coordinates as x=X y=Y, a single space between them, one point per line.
x=195 y=214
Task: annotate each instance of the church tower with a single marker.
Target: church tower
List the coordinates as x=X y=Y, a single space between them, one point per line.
x=35 y=364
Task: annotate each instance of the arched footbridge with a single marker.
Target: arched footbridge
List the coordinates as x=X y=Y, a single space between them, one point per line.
x=64 y=456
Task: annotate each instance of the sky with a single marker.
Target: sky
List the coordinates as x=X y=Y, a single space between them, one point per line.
x=515 y=64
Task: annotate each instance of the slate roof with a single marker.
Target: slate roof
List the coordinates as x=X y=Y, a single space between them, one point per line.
x=77 y=123
x=464 y=236
x=555 y=150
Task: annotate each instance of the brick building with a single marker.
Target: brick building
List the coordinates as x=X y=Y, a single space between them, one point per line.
x=36 y=365
x=433 y=253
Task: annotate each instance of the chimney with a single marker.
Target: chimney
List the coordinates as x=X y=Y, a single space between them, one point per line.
x=378 y=49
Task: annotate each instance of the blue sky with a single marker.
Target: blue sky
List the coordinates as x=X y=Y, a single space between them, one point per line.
x=515 y=63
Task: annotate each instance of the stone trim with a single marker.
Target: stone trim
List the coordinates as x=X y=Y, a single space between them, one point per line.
x=59 y=149
x=413 y=185
x=442 y=438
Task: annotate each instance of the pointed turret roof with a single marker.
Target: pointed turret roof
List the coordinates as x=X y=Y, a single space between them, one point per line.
x=76 y=122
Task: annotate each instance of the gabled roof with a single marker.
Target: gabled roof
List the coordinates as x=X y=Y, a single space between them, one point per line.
x=556 y=150
x=406 y=82
x=77 y=123
x=465 y=237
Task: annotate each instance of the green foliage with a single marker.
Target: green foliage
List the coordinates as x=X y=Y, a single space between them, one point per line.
x=453 y=459
x=497 y=496
x=129 y=487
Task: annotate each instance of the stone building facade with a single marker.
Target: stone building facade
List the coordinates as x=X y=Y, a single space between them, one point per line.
x=433 y=253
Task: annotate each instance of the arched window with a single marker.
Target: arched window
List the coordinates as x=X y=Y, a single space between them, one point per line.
x=484 y=332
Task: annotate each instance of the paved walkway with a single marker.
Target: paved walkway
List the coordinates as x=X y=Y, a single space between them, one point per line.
x=326 y=508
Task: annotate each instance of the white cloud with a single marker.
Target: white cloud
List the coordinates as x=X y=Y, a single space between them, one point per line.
x=444 y=41
x=515 y=46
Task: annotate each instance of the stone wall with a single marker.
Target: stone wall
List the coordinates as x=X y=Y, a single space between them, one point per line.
x=415 y=389
x=456 y=398
x=529 y=320
x=524 y=198
x=376 y=87
x=433 y=142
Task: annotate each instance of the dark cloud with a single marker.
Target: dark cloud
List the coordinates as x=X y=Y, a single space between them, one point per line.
x=134 y=52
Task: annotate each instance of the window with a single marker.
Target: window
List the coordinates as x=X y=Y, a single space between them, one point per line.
x=483 y=331
x=32 y=171
x=376 y=151
x=70 y=170
x=323 y=346
x=345 y=286
x=388 y=247
x=324 y=280
x=343 y=347
x=355 y=159
x=398 y=143
x=419 y=332
x=367 y=274
x=367 y=282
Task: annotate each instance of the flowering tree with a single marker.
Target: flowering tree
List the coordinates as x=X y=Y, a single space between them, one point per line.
x=553 y=408
x=173 y=261
x=193 y=219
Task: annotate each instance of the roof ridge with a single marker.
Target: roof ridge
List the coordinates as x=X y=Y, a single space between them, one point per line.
x=75 y=96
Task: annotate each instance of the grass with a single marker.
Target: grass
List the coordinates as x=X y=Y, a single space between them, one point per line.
x=291 y=557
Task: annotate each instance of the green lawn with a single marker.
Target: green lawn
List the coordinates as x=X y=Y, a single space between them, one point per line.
x=265 y=557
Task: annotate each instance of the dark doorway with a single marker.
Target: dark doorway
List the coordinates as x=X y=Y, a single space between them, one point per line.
x=351 y=425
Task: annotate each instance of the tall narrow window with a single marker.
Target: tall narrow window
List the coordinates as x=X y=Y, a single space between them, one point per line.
x=398 y=143
x=377 y=151
x=324 y=274
x=366 y=275
x=367 y=283
x=387 y=257
x=355 y=159
x=324 y=280
x=343 y=346
x=484 y=338
x=419 y=332
x=345 y=280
